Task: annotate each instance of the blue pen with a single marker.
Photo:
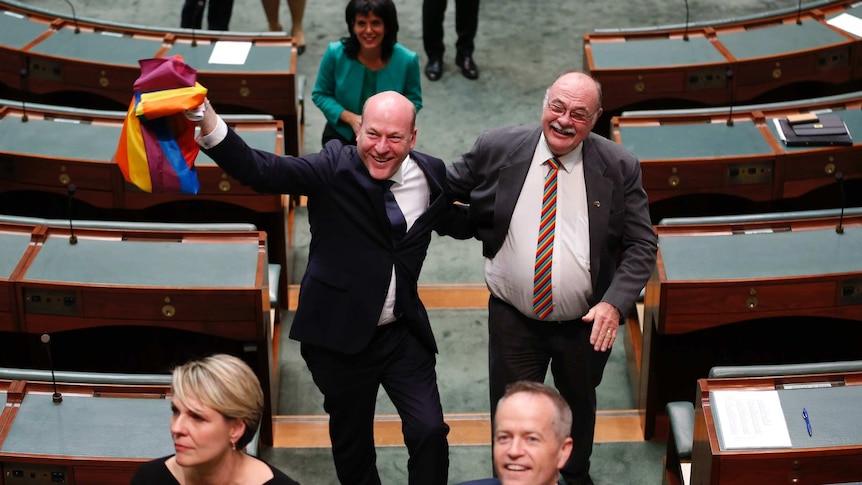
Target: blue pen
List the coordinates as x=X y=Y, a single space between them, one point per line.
x=807 y=421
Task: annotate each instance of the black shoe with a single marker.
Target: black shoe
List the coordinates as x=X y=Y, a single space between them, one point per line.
x=468 y=68
x=434 y=68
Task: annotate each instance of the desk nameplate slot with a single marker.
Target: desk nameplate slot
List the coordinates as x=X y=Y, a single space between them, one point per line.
x=712 y=78
x=31 y=474
x=750 y=173
x=41 y=68
x=51 y=302
x=851 y=292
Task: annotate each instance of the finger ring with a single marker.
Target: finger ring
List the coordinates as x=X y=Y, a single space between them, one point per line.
x=610 y=331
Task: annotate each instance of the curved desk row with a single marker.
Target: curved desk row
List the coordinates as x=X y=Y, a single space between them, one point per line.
x=44 y=53
x=135 y=300
x=696 y=152
x=725 y=63
x=57 y=148
x=747 y=293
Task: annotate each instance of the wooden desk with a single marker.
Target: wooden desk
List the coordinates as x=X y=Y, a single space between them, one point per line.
x=724 y=62
x=832 y=454
x=83 y=157
x=41 y=53
x=100 y=433
x=696 y=155
x=143 y=300
x=748 y=293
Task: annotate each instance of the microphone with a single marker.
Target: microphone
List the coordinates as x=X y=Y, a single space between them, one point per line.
x=73 y=239
x=730 y=86
x=799 y=13
x=685 y=34
x=57 y=398
x=23 y=74
x=74 y=17
x=198 y=8
x=840 y=178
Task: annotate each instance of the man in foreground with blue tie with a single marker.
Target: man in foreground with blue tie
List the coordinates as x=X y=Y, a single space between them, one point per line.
x=371 y=208
x=566 y=233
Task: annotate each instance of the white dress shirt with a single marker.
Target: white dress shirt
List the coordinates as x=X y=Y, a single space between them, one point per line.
x=509 y=275
x=413 y=195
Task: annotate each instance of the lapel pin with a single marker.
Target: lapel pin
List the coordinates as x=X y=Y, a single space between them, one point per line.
x=597 y=203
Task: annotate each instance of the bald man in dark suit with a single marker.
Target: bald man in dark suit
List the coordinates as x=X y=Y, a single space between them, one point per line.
x=371 y=208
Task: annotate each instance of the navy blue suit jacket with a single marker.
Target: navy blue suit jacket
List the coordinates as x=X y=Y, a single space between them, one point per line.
x=351 y=252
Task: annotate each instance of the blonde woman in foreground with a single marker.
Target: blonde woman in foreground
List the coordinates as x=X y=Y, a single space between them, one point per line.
x=217 y=405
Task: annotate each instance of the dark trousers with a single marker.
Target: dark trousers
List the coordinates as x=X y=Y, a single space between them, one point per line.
x=404 y=367
x=521 y=348
x=466 y=25
x=218 y=14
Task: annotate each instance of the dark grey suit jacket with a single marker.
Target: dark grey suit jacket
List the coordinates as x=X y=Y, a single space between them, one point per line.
x=623 y=247
x=351 y=252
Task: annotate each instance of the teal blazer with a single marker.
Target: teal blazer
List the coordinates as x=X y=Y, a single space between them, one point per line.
x=339 y=83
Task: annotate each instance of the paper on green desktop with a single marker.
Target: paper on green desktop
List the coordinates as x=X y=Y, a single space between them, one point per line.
x=749 y=419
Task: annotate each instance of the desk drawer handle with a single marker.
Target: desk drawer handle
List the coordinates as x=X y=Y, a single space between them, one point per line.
x=65 y=178
x=751 y=303
x=829 y=168
x=169 y=311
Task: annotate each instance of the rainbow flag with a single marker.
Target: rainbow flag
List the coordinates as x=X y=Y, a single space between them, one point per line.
x=157 y=147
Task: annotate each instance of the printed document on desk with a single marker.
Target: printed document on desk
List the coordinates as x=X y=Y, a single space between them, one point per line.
x=749 y=419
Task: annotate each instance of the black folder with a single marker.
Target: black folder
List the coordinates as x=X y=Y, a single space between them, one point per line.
x=828 y=130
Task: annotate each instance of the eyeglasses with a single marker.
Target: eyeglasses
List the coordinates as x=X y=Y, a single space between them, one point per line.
x=578 y=115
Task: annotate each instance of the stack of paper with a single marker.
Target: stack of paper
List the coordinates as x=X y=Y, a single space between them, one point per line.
x=749 y=419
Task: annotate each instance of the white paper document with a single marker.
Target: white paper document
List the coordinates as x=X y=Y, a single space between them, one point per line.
x=230 y=52
x=749 y=419
x=848 y=23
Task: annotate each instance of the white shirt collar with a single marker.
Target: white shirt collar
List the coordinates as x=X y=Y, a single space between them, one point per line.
x=406 y=166
x=568 y=161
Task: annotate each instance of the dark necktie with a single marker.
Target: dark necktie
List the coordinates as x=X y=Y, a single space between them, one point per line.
x=393 y=212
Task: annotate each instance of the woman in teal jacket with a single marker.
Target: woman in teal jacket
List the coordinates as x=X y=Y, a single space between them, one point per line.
x=357 y=67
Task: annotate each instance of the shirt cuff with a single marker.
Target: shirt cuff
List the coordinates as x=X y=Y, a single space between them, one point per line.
x=215 y=137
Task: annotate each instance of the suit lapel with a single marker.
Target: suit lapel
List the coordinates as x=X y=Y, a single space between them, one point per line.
x=512 y=175
x=599 y=196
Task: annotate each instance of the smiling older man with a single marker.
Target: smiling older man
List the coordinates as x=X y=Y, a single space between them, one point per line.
x=371 y=208
x=568 y=245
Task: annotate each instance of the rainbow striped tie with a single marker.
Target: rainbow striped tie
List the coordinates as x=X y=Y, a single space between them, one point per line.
x=543 y=303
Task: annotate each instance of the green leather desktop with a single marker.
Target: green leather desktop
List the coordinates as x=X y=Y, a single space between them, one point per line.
x=696 y=157
x=104 y=428
x=724 y=62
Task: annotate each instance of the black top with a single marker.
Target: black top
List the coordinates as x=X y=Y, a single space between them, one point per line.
x=156 y=473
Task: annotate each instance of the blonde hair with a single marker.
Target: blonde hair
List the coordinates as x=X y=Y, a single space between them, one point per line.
x=225 y=383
